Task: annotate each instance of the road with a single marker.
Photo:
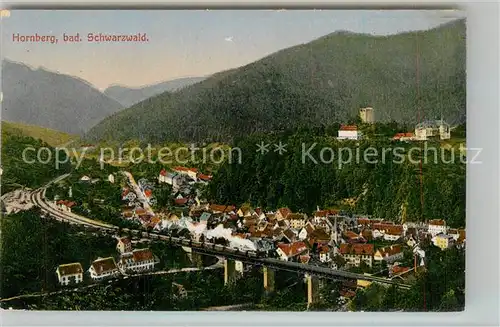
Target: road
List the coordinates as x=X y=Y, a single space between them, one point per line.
x=140 y=194
x=38 y=198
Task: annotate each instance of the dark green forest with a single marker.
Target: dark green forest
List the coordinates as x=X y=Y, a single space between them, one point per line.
x=314 y=84
x=33 y=247
x=31 y=172
x=394 y=189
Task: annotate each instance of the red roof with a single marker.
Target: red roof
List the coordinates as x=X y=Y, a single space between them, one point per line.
x=400 y=135
x=390 y=250
x=399 y=270
x=304 y=258
x=292 y=249
x=204 y=177
x=181 y=201
x=357 y=249
x=163 y=172
x=348 y=128
x=66 y=203
x=125 y=240
x=284 y=212
x=142 y=255
x=437 y=222
x=180 y=168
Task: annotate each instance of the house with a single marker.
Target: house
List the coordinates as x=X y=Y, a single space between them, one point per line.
x=354 y=254
x=411 y=241
x=124 y=245
x=388 y=254
x=366 y=234
x=349 y=132
x=179 y=291
x=180 y=201
x=288 y=252
x=103 y=268
x=65 y=205
x=244 y=212
x=396 y=270
x=283 y=224
x=204 y=179
x=111 y=178
x=190 y=172
x=305 y=231
x=443 y=241
x=432 y=129
x=351 y=237
x=393 y=234
x=319 y=236
x=436 y=226
x=404 y=137
x=137 y=261
x=70 y=273
x=216 y=208
x=128 y=195
x=283 y=213
x=324 y=254
x=297 y=220
x=289 y=235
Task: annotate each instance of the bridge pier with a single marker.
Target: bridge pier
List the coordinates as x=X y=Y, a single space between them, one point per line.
x=230 y=273
x=268 y=279
x=312 y=289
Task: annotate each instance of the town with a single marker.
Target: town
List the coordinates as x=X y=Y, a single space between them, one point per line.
x=329 y=238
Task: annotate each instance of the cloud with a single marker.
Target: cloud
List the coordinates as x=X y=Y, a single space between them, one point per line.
x=4 y=13
x=228 y=39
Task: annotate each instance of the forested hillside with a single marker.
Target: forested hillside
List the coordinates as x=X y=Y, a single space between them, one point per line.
x=386 y=186
x=18 y=172
x=405 y=77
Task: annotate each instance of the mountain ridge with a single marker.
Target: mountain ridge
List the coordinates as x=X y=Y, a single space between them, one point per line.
x=315 y=84
x=129 y=96
x=38 y=96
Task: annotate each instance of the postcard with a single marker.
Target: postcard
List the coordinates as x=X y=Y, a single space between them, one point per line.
x=233 y=160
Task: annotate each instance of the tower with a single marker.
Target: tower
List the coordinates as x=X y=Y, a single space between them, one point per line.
x=367 y=115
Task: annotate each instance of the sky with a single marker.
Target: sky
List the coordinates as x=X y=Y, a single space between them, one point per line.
x=185 y=43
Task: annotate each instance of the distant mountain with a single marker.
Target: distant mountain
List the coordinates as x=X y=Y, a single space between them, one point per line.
x=128 y=96
x=43 y=98
x=405 y=77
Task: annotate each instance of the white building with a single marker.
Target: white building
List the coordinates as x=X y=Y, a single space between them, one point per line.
x=389 y=254
x=349 y=132
x=324 y=254
x=111 y=178
x=137 y=261
x=70 y=273
x=103 y=268
x=443 y=241
x=429 y=129
x=437 y=226
x=124 y=245
x=367 y=115
x=65 y=205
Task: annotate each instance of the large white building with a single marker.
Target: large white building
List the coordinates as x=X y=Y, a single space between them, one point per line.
x=349 y=132
x=436 y=226
x=137 y=261
x=367 y=115
x=70 y=273
x=432 y=129
x=103 y=268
